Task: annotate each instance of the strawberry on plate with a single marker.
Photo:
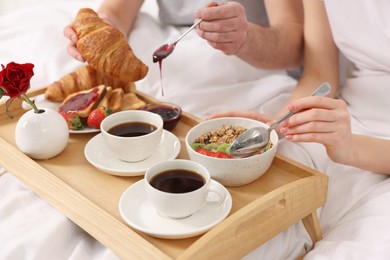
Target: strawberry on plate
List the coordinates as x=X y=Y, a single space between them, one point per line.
x=97 y=115
x=73 y=120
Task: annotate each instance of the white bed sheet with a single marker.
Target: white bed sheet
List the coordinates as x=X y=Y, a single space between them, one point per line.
x=354 y=221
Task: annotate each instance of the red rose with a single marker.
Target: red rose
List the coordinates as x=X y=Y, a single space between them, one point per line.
x=14 y=82
x=15 y=78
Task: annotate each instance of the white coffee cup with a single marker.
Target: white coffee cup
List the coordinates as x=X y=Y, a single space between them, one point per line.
x=182 y=204
x=134 y=148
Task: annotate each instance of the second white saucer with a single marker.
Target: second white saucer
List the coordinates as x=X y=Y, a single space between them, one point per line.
x=102 y=158
x=137 y=211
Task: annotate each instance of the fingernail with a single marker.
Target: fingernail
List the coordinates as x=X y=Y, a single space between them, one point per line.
x=291 y=107
x=289 y=137
x=73 y=38
x=79 y=58
x=283 y=130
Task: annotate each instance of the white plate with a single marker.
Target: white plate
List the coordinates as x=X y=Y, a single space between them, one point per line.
x=42 y=102
x=139 y=213
x=102 y=158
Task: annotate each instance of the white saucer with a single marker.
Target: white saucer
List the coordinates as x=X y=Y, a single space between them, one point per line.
x=138 y=213
x=101 y=157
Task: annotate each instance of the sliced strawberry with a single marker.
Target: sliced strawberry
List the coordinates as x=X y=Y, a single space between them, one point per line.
x=222 y=155
x=73 y=120
x=97 y=115
x=206 y=152
x=203 y=151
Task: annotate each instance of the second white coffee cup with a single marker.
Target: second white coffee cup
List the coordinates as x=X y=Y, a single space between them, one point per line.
x=179 y=188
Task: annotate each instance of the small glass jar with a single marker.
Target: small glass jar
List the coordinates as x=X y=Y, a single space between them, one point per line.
x=169 y=112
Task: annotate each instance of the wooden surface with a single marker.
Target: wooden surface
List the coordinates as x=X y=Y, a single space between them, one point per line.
x=285 y=194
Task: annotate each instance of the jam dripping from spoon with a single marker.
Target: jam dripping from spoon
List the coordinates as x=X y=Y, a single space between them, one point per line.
x=165 y=50
x=160 y=54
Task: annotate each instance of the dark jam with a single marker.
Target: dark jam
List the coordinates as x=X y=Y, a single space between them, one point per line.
x=80 y=102
x=170 y=114
x=162 y=52
x=158 y=56
x=177 y=181
x=161 y=81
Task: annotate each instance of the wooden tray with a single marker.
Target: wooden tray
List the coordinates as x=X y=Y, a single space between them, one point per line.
x=285 y=194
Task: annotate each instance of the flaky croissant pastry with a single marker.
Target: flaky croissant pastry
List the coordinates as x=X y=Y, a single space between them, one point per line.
x=106 y=48
x=84 y=78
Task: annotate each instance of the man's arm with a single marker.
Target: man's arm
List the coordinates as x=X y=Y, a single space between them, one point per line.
x=279 y=46
x=121 y=13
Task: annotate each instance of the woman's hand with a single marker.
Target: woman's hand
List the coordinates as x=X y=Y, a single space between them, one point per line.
x=70 y=33
x=322 y=120
x=224 y=26
x=72 y=49
x=247 y=114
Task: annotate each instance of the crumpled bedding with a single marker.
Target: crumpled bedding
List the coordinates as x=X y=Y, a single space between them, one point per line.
x=203 y=81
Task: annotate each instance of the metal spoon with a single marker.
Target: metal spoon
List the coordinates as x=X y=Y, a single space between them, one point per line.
x=256 y=138
x=166 y=49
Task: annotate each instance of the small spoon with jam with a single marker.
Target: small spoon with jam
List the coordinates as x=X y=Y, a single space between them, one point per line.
x=166 y=49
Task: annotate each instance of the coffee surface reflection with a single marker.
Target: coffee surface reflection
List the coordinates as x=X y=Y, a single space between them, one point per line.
x=132 y=129
x=177 y=181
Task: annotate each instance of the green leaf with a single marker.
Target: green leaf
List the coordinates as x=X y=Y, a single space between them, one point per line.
x=2 y=92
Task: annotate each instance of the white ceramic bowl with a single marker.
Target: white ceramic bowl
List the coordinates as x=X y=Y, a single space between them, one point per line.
x=236 y=171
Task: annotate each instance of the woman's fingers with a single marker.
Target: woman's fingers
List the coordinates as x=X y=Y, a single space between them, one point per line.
x=323 y=120
x=70 y=33
x=327 y=139
x=312 y=115
x=246 y=114
x=315 y=102
x=72 y=49
x=74 y=52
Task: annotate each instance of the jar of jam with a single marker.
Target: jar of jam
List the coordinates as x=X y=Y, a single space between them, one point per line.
x=169 y=112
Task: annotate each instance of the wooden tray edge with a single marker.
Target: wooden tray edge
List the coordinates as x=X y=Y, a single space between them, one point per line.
x=272 y=209
x=83 y=212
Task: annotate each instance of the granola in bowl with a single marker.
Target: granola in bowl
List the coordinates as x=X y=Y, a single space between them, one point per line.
x=222 y=135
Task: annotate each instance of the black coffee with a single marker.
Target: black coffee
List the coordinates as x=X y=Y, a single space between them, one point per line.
x=177 y=181
x=132 y=129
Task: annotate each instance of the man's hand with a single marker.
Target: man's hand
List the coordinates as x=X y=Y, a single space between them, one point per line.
x=224 y=26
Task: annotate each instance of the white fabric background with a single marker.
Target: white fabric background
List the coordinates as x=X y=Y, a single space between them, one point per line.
x=355 y=218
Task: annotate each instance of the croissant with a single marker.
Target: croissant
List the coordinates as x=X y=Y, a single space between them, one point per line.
x=84 y=78
x=113 y=99
x=132 y=102
x=106 y=48
x=83 y=102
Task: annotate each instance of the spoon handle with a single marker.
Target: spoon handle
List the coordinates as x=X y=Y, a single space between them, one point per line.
x=185 y=33
x=322 y=90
